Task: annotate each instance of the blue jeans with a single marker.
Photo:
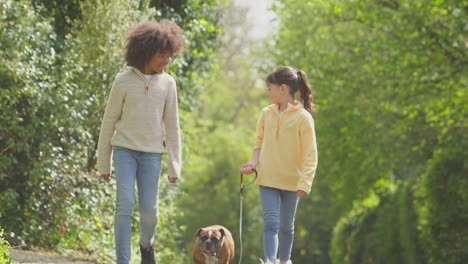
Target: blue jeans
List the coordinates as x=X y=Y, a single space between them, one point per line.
x=145 y=168
x=279 y=210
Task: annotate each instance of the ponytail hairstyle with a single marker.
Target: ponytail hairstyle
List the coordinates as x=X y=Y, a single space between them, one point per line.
x=295 y=80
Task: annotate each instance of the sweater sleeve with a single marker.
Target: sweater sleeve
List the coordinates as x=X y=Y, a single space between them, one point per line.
x=172 y=132
x=111 y=116
x=260 y=130
x=309 y=154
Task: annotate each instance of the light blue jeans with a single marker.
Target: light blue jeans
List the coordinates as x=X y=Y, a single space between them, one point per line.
x=279 y=210
x=145 y=168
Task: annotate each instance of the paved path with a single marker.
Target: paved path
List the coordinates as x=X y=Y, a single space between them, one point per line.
x=32 y=257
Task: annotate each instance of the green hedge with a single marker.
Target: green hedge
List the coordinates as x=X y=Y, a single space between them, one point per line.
x=443 y=204
x=381 y=229
x=421 y=221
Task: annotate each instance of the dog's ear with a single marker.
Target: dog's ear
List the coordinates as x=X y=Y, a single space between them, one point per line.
x=198 y=232
x=221 y=231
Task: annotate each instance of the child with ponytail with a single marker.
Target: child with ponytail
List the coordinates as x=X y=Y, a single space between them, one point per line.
x=285 y=156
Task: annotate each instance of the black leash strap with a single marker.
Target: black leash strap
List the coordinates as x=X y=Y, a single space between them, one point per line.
x=241 y=208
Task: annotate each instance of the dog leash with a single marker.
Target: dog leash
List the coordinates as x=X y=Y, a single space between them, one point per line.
x=241 y=208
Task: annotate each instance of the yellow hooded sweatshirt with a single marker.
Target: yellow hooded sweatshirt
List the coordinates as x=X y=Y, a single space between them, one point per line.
x=288 y=155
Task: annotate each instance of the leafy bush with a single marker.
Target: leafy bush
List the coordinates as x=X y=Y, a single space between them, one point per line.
x=352 y=228
x=442 y=203
x=4 y=249
x=380 y=229
x=423 y=221
x=31 y=127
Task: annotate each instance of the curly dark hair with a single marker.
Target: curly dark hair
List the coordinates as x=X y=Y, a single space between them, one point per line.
x=148 y=38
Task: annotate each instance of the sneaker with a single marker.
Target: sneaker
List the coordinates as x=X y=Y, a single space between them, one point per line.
x=268 y=262
x=147 y=255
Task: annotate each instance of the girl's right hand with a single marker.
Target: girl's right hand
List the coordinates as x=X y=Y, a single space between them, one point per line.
x=106 y=177
x=248 y=168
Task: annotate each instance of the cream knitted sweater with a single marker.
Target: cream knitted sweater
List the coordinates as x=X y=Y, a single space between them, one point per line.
x=141 y=116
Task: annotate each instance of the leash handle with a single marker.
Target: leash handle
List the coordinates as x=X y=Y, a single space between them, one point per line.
x=242 y=180
x=241 y=209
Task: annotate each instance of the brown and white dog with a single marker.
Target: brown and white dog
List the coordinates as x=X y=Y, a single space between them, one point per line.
x=214 y=245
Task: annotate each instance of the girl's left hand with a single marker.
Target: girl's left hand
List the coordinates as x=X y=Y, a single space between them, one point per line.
x=173 y=180
x=301 y=193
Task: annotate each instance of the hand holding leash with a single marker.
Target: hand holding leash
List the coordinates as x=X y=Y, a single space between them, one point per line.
x=250 y=171
x=248 y=168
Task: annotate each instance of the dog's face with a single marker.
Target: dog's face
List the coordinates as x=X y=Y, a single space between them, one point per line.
x=211 y=240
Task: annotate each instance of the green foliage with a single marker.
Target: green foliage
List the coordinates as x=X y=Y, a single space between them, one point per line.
x=5 y=255
x=442 y=202
x=62 y=15
x=379 y=226
x=27 y=96
x=347 y=232
x=424 y=222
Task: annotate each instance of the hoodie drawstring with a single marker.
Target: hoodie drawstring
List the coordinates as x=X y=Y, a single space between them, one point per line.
x=147 y=90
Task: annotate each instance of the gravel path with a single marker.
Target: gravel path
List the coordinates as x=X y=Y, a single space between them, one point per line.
x=32 y=257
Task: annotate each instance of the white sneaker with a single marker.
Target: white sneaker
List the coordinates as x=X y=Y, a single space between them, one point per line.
x=277 y=262
x=268 y=262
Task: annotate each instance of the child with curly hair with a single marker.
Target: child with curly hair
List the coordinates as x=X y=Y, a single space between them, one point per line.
x=140 y=121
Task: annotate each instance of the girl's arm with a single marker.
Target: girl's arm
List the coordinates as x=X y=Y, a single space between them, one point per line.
x=247 y=168
x=309 y=155
x=256 y=156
